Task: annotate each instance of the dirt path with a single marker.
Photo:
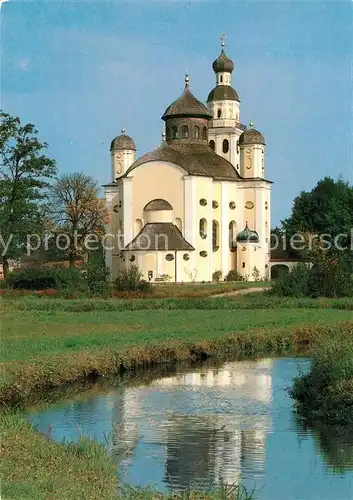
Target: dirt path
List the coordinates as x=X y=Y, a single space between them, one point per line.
x=242 y=291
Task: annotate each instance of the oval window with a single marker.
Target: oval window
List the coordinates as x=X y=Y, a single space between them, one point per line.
x=249 y=205
x=169 y=256
x=232 y=205
x=203 y=253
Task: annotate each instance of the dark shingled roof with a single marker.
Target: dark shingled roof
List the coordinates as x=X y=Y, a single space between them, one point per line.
x=195 y=159
x=222 y=92
x=187 y=105
x=251 y=136
x=159 y=236
x=248 y=235
x=123 y=142
x=223 y=64
x=158 y=204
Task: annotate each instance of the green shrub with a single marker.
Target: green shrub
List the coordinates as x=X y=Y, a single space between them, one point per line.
x=97 y=278
x=130 y=279
x=294 y=284
x=217 y=276
x=233 y=275
x=326 y=278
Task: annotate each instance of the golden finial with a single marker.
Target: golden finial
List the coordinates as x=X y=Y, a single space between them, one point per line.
x=251 y=124
x=187 y=79
x=123 y=130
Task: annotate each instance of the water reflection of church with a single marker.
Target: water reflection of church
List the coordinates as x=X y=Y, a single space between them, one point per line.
x=209 y=425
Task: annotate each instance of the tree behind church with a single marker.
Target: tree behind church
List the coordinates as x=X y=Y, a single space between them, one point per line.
x=78 y=213
x=24 y=176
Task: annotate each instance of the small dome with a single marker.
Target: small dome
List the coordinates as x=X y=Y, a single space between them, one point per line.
x=223 y=64
x=248 y=235
x=251 y=136
x=186 y=105
x=158 y=204
x=123 y=141
x=223 y=93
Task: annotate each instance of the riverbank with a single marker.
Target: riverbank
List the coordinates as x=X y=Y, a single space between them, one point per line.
x=50 y=343
x=36 y=468
x=325 y=394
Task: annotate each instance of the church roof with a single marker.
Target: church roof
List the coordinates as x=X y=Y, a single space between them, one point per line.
x=223 y=92
x=251 y=136
x=187 y=105
x=123 y=141
x=195 y=159
x=158 y=204
x=248 y=235
x=223 y=64
x=159 y=236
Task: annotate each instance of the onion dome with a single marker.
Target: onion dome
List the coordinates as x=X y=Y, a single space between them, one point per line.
x=251 y=136
x=248 y=235
x=187 y=106
x=123 y=141
x=223 y=64
x=223 y=93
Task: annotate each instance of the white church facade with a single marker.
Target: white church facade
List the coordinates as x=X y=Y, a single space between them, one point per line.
x=200 y=202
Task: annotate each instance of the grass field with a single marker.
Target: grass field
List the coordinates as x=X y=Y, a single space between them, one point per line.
x=49 y=343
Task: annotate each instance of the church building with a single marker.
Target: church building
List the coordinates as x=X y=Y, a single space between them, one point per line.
x=199 y=203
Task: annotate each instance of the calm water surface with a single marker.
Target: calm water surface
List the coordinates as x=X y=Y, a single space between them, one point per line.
x=212 y=425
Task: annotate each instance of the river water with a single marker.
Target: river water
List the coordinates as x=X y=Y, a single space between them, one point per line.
x=212 y=425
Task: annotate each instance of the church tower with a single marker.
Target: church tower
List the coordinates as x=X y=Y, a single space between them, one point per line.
x=122 y=152
x=252 y=153
x=224 y=105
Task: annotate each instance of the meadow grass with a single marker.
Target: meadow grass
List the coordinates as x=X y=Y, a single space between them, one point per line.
x=48 y=343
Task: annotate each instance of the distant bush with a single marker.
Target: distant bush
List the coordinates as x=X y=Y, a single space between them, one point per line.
x=217 y=276
x=130 y=279
x=294 y=284
x=326 y=278
x=233 y=275
x=91 y=279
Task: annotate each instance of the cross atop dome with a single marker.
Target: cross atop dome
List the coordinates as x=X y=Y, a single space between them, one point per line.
x=223 y=41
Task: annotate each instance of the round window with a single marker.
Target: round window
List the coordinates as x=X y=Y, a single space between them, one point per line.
x=232 y=205
x=132 y=258
x=214 y=204
x=169 y=256
x=186 y=256
x=203 y=202
x=203 y=253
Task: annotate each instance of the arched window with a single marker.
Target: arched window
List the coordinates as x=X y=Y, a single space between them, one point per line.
x=203 y=228
x=204 y=133
x=215 y=235
x=212 y=145
x=221 y=78
x=243 y=265
x=197 y=132
x=184 y=132
x=225 y=146
x=219 y=113
x=232 y=235
x=174 y=132
x=167 y=130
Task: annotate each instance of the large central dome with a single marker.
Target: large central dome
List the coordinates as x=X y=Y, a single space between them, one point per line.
x=186 y=106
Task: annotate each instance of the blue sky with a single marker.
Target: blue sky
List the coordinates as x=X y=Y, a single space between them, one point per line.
x=82 y=70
